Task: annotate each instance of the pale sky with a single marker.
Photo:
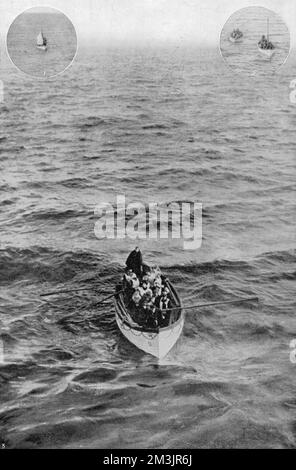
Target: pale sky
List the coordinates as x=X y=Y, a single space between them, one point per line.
x=151 y=21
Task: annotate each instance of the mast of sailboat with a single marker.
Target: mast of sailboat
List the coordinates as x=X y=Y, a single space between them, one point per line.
x=267 y=29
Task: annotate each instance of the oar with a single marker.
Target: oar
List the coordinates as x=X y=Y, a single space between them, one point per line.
x=109 y=297
x=188 y=307
x=246 y=299
x=46 y=294
x=100 y=302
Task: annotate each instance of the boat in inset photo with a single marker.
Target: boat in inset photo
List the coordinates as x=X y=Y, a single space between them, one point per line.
x=265 y=46
x=41 y=42
x=236 y=36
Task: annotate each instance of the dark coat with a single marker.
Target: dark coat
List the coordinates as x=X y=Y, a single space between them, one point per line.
x=163 y=317
x=159 y=300
x=134 y=261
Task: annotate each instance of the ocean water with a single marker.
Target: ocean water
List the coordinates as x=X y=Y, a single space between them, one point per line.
x=155 y=125
x=61 y=40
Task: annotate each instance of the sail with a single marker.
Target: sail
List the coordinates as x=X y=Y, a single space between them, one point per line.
x=40 y=39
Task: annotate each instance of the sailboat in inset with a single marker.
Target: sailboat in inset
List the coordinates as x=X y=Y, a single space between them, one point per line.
x=41 y=42
x=265 y=46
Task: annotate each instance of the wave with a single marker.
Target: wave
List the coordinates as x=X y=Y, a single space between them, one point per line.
x=96 y=121
x=14 y=149
x=8 y=202
x=56 y=215
x=92 y=121
x=217 y=266
x=288 y=256
x=256 y=328
x=45 y=265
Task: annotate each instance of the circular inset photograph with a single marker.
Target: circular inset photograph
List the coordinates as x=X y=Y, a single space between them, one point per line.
x=42 y=42
x=255 y=40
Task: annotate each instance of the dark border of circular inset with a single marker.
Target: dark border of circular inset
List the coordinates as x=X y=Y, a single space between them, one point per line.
x=233 y=69
x=33 y=76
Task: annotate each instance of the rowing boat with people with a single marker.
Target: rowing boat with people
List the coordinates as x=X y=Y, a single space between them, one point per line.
x=236 y=36
x=155 y=340
x=148 y=310
x=265 y=46
x=153 y=323
x=235 y=40
x=269 y=53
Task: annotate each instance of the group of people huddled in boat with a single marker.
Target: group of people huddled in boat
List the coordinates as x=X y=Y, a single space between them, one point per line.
x=236 y=34
x=146 y=292
x=264 y=43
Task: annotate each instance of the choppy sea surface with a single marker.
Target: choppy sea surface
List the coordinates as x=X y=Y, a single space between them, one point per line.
x=155 y=125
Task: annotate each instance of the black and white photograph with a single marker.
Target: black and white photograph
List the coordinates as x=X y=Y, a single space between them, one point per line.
x=147 y=227
x=29 y=48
